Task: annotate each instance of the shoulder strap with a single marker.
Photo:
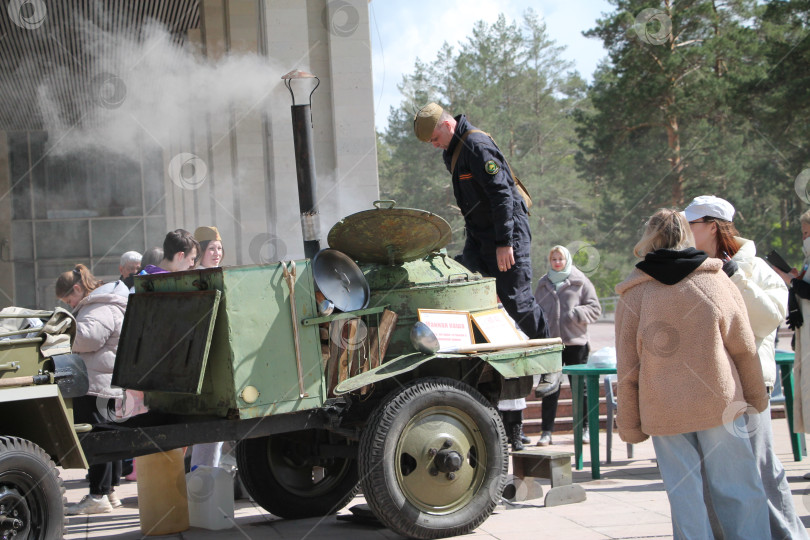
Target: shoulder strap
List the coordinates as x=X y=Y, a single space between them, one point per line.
x=521 y=188
x=460 y=144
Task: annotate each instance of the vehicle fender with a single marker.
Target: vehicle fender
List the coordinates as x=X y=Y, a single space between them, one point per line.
x=39 y=414
x=510 y=363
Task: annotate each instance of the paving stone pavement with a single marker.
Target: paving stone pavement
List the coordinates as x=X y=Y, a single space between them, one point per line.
x=628 y=502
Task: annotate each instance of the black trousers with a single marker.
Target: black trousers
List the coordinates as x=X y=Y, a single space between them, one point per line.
x=514 y=286
x=571 y=355
x=92 y=410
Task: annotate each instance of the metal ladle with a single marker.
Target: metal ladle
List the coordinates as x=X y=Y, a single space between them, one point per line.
x=423 y=339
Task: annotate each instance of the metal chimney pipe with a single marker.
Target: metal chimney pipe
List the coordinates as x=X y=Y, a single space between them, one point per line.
x=305 y=164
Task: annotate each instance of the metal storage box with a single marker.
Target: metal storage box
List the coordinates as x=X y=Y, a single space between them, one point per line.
x=230 y=344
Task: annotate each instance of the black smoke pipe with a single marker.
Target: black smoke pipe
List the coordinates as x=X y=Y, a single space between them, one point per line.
x=305 y=165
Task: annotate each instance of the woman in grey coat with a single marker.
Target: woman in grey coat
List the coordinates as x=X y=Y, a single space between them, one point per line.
x=569 y=301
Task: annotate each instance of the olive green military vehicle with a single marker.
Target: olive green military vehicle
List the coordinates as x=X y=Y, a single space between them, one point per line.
x=37 y=433
x=322 y=405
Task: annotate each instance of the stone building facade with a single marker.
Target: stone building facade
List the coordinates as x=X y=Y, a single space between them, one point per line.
x=231 y=166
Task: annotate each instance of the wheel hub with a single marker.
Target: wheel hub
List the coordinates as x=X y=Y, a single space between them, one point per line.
x=14 y=514
x=448 y=461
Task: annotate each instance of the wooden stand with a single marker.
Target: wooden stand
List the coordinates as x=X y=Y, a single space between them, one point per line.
x=533 y=463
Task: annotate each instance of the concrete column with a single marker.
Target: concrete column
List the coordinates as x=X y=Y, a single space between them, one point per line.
x=248 y=166
x=288 y=47
x=355 y=180
x=217 y=152
x=6 y=267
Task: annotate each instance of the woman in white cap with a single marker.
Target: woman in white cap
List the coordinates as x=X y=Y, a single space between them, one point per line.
x=765 y=295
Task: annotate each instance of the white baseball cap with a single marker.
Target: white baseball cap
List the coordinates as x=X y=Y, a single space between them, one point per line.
x=709 y=206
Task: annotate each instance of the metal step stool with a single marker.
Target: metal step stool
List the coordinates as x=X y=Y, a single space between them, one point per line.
x=532 y=463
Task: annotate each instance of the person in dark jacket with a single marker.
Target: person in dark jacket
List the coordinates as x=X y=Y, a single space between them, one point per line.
x=180 y=251
x=498 y=242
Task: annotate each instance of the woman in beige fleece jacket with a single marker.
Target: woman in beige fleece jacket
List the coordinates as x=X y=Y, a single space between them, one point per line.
x=688 y=369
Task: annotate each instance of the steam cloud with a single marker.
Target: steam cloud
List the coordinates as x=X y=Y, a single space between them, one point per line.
x=154 y=91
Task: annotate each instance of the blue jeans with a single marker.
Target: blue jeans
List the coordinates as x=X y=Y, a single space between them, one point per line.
x=732 y=477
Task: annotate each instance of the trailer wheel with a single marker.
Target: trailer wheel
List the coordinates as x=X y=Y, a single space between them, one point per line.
x=32 y=496
x=433 y=459
x=284 y=474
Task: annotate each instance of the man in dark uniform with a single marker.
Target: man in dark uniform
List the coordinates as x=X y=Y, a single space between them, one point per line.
x=496 y=219
x=498 y=242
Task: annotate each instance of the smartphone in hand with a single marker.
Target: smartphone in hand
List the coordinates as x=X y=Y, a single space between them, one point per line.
x=777 y=261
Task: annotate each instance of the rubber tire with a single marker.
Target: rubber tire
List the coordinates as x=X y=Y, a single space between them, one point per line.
x=378 y=462
x=42 y=487
x=260 y=482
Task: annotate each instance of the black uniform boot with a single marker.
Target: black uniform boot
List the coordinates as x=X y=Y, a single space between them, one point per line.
x=523 y=438
x=514 y=436
x=513 y=422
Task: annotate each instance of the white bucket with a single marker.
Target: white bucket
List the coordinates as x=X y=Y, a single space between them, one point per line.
x=210 y=498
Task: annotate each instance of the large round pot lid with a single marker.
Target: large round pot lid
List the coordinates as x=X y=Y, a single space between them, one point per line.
x=388 y=235
x=340 y=280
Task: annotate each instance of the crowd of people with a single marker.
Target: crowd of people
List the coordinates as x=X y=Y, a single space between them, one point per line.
x=99 y=312
x=695 y=332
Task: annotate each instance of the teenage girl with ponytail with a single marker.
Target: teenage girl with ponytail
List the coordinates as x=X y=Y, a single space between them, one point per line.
x=99 y=312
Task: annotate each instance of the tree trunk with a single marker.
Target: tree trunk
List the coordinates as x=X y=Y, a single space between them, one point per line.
x=673 y=133
x=783 y=222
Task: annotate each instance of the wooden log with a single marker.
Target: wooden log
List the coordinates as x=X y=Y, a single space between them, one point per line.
x=371 y=347
x=354 y=346
x=335 y=330
x=363 y=348
x=388 y=323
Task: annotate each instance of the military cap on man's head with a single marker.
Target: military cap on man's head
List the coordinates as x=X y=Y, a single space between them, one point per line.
x=207 y=234
x=426 y=120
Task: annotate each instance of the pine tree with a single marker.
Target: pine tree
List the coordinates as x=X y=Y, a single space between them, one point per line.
x=664 y=127
x=777 y=103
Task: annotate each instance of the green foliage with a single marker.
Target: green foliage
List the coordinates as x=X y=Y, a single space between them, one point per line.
x=669 y=120
x=777 y=103
x=696 y=97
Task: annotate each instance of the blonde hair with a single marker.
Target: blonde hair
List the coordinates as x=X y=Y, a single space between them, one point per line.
x=805 y=217
x=666 y=229
x=557 y=249
x=80 y=275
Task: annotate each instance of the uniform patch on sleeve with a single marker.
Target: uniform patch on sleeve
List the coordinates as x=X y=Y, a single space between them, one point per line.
x=491 y=167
